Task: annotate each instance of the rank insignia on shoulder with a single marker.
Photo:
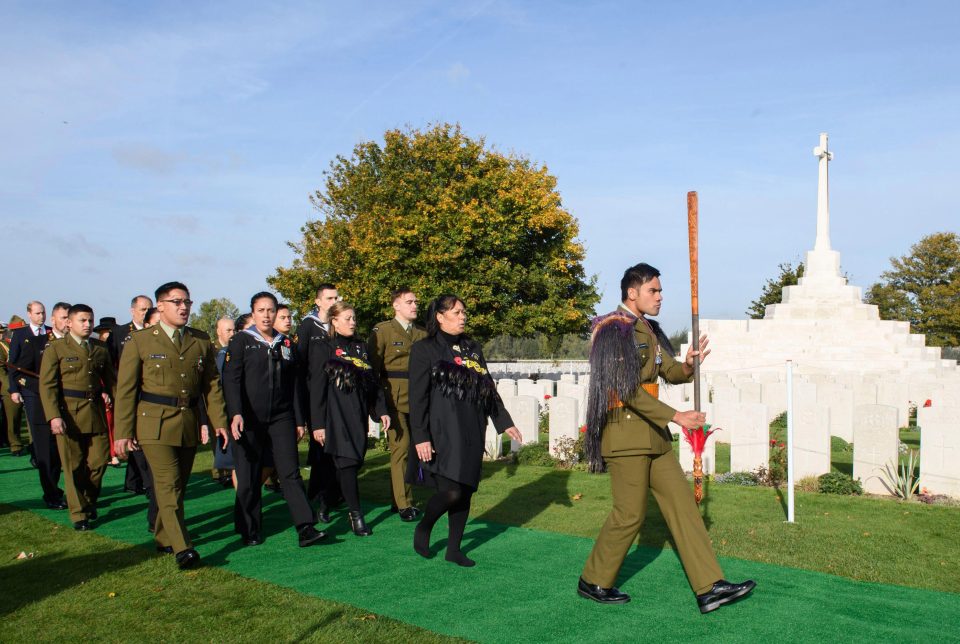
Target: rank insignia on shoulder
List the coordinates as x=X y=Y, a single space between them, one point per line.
x=23 y=382
x=398 y=344
x=158 y=356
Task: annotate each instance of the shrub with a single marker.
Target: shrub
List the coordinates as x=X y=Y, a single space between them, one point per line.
x=736 y=478
x=535 y=454
x=901 y=483
x=839 y=483
x=837 y=444
x=808 y=484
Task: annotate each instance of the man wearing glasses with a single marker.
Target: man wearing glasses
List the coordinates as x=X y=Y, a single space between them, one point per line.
x=164 y=372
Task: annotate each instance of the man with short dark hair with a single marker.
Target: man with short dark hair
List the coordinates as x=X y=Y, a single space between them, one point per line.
x=165 y=370
x=389 y=345
x=26 y=352
x=627 y=435
x=314 y=329
x=76 y=382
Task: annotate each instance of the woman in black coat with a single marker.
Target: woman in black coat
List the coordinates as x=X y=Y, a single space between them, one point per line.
x=451 y=397
x=344 y=392
x=261 y=382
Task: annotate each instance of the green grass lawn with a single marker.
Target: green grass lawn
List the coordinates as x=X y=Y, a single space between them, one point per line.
x=866 y=539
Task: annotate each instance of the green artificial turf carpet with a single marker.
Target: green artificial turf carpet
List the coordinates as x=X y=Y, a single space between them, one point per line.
x=523 y=587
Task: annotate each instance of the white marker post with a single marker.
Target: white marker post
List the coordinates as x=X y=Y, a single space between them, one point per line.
x=790 y=515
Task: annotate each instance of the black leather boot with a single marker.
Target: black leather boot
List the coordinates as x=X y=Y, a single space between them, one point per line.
x=359 y=525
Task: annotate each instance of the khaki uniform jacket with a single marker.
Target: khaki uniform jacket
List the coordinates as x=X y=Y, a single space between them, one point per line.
x=389 y=347
x=4 y=376
x=66 y=365
x=151 y=363
x=640 y=426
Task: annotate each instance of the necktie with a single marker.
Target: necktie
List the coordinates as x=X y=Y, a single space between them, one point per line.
x=176 y=338
x=86 y=347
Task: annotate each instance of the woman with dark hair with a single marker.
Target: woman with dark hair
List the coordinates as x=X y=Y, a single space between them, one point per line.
x=451 y=397
x=261 y=385
x=344 y=392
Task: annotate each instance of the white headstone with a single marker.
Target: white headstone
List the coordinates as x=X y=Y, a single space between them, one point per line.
x=726 y=394
x=897 y=394
x=746 y=428
x=507 y=387
x=875 y=444
x=525 y=412
x=811 y=433
x=546 y=387
x=564 y=413
x=751 y=392
x=775 y=398
x=568 y=377
x=940 y=448
x=839 y=400
x=527 y=387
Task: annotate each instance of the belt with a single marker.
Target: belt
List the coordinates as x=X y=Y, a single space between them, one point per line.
x=170 y=401
x=398 y=374
x=652 y=388
x=86 y=395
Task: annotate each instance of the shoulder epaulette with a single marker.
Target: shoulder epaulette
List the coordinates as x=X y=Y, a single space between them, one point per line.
x=197 y=333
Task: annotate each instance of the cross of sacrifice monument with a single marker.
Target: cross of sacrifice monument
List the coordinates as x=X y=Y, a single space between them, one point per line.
x=823 y=195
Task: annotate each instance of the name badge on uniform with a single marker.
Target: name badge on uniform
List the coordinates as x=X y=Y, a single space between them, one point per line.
x=285 y=352
x=158 y=356
x=71 y=359
x=398 y=344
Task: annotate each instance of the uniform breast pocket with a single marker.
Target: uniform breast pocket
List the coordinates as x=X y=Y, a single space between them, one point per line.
x=157 y=371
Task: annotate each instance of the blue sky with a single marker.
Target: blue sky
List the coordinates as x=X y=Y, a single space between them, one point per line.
x=143 y=142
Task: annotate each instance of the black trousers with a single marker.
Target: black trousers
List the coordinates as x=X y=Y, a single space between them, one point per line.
x=323 y=475
x=279 y=439
x=44 y=447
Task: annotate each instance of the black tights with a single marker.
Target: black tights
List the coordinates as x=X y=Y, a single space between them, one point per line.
x=453 y=498
x=347 y=476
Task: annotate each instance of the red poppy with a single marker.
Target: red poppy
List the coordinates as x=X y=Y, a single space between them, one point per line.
x=340 y=352
x=458 y=360
x=547 y=396
x=286 y=342
x=583 y=429
x=929 y=403
x=773 y=441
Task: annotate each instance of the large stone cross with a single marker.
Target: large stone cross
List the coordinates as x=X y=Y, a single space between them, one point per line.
x=823 y=195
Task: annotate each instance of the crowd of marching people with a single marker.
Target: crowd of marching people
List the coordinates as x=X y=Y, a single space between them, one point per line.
x=151 y=391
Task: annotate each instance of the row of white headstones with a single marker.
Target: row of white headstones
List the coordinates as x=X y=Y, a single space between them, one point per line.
x=864 y=410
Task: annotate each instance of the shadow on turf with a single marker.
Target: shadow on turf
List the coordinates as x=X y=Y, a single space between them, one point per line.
x=30 y=580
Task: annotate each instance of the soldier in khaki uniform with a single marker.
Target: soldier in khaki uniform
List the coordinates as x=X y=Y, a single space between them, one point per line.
x=12 y=412
x=76 y=382
x=389 y=345
x=164 y=372
x=627 y=434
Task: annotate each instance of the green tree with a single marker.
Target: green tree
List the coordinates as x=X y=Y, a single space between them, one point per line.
x=440 y=212
x=206 y=315
x=773 y=289
x=678 y=339
x=923 y=287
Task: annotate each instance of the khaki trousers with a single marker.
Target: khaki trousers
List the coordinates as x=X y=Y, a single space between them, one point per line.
x=171 y=466
x=398 y=440
x=630 y=479
x=14 y=416
x=84 y=460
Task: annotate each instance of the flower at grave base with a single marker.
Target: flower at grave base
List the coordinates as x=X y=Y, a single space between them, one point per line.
x=773 y=441
x=547 y=396
x=583 y=429
x=929 y=403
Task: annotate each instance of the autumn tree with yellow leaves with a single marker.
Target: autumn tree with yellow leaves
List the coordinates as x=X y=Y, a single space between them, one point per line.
x=440 y=212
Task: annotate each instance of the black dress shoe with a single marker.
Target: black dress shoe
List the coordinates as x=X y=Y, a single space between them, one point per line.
x=91 y=514
x=57 y=505
x=308 y=536
x=601 y=595
x=273 y=487
x=252 y=539
x=723 y=592
x=18 y=452
x=150 y=528
x=409 y=514
x=165 y=550
x=188 y=558
x=81 y=526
